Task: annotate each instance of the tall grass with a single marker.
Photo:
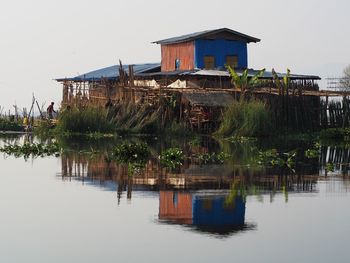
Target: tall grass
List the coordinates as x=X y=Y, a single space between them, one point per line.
x=145 y=119
x=130 y=117
x=246 y=118
x=121 y=118
x=86 y=120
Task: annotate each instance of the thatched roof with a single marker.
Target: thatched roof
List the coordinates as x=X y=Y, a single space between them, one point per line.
x=209 y=99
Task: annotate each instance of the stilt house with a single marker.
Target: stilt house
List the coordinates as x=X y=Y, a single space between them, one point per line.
x=192 y=72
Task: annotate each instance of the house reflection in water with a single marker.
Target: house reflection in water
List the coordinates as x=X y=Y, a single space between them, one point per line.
x=213 y=213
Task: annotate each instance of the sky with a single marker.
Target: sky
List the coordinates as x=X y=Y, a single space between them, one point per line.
x=41 y=40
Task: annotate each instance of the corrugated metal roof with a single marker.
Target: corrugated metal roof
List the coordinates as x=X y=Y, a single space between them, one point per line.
x=251 y=73
x=206 y=99
x=202 y=34
x=168 y=73
x=112 y=72
x=224 y=73
x=153 y=69
x=211 y=72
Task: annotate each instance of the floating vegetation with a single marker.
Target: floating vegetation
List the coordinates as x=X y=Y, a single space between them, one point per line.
x=135 y=168
x=313 y=152
x=213 y=158
x=133 y=154
x=274 y=158
x=172 y=158
x=32 y=149
x=330 y=167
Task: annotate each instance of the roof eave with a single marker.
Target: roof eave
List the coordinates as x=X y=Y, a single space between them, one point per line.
x=170 y=41
x=164 y=42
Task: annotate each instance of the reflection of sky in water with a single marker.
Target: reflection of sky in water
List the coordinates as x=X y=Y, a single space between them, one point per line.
x=44 y=219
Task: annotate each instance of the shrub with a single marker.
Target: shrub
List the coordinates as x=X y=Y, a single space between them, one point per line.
x=7 y=125
x=246 y=118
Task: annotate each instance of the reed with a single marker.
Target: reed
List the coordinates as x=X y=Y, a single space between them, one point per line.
x=87 y=120
x=246 y=118
x=130 y=117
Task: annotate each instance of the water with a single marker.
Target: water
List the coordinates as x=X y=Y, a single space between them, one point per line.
x=80 y=208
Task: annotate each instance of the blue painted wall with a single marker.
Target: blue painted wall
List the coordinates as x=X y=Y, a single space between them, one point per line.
x=220 y=48
x=218 y=214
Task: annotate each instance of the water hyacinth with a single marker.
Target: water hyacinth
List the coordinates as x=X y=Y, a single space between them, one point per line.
x=135 y=155
x=213 y=158
x=274 y=158
x=172 y=158
x=32 y=149
x=131 y=152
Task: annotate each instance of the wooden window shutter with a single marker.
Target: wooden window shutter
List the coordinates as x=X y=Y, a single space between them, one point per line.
x=209 y=62
x=232 y=61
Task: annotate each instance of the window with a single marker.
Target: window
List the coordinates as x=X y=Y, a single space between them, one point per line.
x=209 y=62
x=175 y=199
x=177 y=64
x=232 y=61
x=207 y=204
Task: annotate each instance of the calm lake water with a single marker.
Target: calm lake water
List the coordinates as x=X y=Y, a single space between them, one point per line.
x=86 y=208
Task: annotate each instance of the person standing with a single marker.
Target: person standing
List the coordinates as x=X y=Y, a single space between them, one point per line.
x=50 y=110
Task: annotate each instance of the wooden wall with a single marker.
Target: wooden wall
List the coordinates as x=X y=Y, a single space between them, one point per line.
x=177 y=208
x=182 y=51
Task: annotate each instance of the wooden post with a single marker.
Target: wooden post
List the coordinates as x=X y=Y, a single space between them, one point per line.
x=326 y=109
x=131 y=83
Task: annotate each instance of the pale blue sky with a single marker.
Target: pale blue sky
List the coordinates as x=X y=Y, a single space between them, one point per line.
x=45 y=39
